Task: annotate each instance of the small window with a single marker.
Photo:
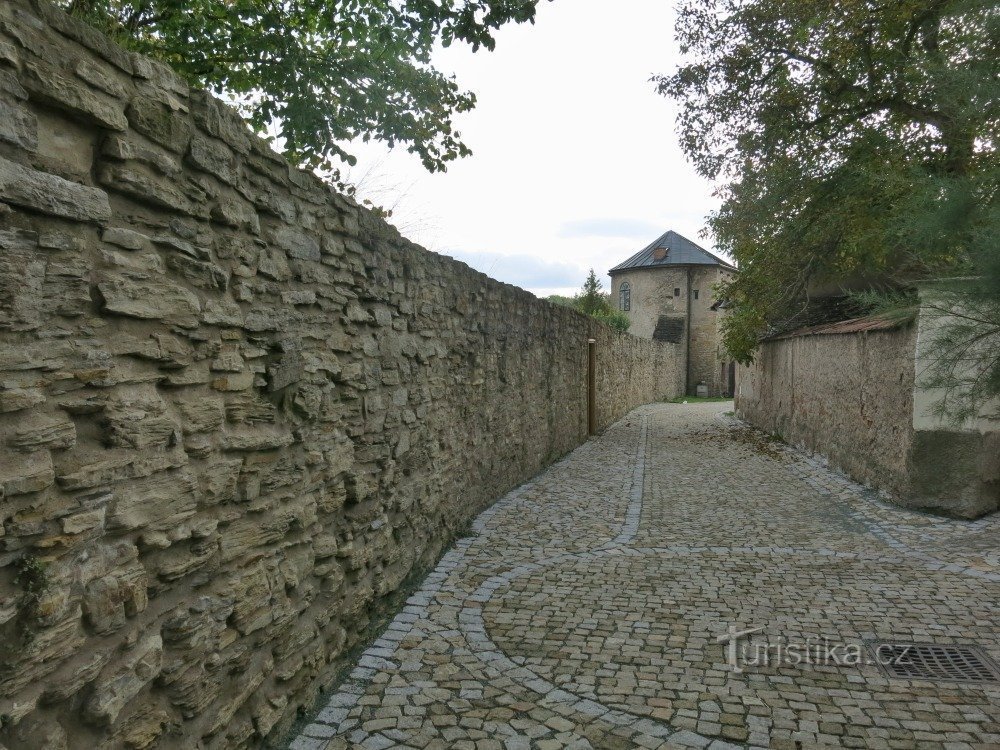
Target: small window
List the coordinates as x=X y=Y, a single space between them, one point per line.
x=677 y=291
x=625 y=296
x=696 y=294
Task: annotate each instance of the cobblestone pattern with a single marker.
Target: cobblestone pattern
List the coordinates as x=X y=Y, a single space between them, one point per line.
x=237 y=410
x=599 y=629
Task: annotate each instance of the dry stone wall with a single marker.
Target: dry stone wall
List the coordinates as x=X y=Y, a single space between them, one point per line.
x=236 y=409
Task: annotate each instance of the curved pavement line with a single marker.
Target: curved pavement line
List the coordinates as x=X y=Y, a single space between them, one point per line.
x=333 y=720
x=473 y=626
x=876 y=527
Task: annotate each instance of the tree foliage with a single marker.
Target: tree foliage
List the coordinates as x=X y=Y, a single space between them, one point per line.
x=593 y=301
x=327 y=71
x=852 y=138
x=592 y=298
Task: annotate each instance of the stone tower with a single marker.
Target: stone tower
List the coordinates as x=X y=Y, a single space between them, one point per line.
x=667 y=291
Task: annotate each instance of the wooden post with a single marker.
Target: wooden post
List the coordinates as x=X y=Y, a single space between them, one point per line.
x=592 y=386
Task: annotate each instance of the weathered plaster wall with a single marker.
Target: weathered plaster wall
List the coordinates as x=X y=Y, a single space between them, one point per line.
x=851 y=397
x=847 y=396
x=236 y=410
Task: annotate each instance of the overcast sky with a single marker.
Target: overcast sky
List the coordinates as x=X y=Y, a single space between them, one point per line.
x=575 y=160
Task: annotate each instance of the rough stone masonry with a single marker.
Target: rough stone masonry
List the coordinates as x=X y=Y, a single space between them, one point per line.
x=236 y=409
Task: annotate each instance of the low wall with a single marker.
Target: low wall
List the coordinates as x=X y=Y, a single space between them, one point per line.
x=854 y=396
x=236 y=409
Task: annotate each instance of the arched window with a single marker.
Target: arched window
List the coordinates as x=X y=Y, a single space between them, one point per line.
x=625 y=296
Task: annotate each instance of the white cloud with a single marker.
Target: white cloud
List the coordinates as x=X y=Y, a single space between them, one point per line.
x=575 y=161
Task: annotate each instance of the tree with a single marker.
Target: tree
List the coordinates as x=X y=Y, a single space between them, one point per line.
x=592 y=301
x=851 y=138
x=592 y=298
x=325 y=71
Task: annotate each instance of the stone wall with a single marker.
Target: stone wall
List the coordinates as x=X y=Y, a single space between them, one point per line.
x=236 y=410
x=854 y=396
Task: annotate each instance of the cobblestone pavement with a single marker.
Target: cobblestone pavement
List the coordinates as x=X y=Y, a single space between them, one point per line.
x=584 y=612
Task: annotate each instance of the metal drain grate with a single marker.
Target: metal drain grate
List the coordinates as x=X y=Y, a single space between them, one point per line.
x=930 y=661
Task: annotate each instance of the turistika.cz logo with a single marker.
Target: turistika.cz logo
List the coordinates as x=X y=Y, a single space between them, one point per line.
x=750 y=648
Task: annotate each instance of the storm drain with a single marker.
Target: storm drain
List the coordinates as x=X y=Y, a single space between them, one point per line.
x=930 y=661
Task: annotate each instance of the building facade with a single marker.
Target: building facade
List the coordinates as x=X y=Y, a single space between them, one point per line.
x=667 y=291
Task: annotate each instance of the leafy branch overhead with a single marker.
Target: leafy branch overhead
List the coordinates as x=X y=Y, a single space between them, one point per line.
x=853 y=140
x=326 y=71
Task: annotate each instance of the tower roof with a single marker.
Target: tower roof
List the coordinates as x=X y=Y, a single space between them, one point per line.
x=671 y=249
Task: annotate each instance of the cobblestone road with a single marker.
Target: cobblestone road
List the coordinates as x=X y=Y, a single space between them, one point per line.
x=584 y=612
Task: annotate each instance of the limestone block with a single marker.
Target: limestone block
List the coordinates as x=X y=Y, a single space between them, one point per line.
x=16 y=399
x=74 y=674
x=124 y=681
x=139 y=182
x=215 y=158
x=235 y=212
x=139 y=421
x=217 y=480
x=141 y=730
x=125 y=238
x=47 y=84
x=299 y=297
x=228 y=709
x=21 y=474
x=164 y=83
x=168 y=351
x=87 y=35
x=160 y=122
x=228 y=360
x=109 y=599
x=101 y=77
x=176 y=245
x=234 y=382
x=256 y=439
x=49 y=194
x=49 y=431
x=220 y=121
x=44 y=653
x=18 y=126
x=132 y=147
x=156 y=503
x=92 y=468
x=269 y=713
x=65 y=146
x=249 y=409
x=200 y=273
x=287 y=370
x=78 y=523
x=200 y=413
x=22 y=279
x=261 y=322
x=150 y=300
x=222 y=312
x=66 y=286
x=297 y=244
x=250 y=593
x=273 y=264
